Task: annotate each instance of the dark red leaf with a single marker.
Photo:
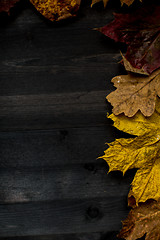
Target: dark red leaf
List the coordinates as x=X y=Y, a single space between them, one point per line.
x=140 y=30
x=6 y=5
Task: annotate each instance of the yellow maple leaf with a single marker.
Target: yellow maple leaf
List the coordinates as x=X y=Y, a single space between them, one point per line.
x=127 y=2
x=56 y=10
x=141 y=152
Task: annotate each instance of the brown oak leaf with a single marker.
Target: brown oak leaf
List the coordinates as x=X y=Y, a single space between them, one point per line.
x=135 y=92
x=6 y=5
x=56 y=10
x=144 y=219
x=140 y=30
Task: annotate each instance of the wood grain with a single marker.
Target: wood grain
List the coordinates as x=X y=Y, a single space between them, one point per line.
x=77 y=236
x=52 y=111
x=54 y=79
x=27 y=185
x=78 y=216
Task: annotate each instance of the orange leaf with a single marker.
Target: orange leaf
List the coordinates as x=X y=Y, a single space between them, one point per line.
x=56 y=10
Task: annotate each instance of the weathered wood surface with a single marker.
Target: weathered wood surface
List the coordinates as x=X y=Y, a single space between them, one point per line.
x=53 y=126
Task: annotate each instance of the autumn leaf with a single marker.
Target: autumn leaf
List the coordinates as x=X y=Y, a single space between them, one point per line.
x=132 y=69
x=140 y=30
x=144 y=219
x=96 y=1
x=141 y=152
x=56 y=10
x=127 y=2
x=135 y=92
x=6 y=5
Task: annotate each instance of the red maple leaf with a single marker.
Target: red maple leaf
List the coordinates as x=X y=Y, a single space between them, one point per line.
x=140 y=30
x=6 y=5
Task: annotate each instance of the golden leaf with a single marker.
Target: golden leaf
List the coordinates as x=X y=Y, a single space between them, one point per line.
x=96 y=1
x=56 y=10
x=127 y=2
x=135 y=93
x=141 y=152
x=144 y=219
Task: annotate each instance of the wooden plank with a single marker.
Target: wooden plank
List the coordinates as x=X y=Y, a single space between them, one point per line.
x=63 y=182
x=41 y=57
x=61 y=217
x=53 y=111
x=78 y=236
x=56 y=76
x=56 y=147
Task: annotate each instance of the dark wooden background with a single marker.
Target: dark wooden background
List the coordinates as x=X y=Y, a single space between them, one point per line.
x=53 y=126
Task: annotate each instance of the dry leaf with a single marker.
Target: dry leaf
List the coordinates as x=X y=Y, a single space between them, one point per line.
x=144 y=219
x=96 y=1
x=140 y=30
x=6 y=5
x=141 y=152
x=132 y=69
x=56 y=10
x=127 y=2
x=135 y=93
